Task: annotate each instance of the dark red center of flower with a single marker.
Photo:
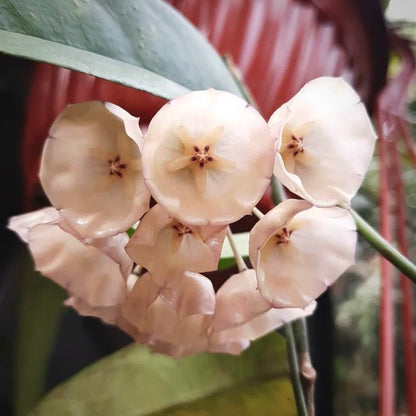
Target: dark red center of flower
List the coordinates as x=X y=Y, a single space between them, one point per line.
x=201 y=156
x=283 y=236
x=117 y=167
x=296 y=145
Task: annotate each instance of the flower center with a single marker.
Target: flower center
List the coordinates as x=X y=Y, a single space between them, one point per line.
x=117 y=167
x=283 y=236
x=201 y=156
x=181 y=229
x=296 y=145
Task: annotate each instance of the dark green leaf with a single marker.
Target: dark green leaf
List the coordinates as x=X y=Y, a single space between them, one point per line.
x=39 y=313
x=134 y=382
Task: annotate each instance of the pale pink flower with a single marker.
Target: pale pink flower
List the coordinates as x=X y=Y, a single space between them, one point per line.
x=208 y=157
x=95 y=279
x=242 y=314
x=166 y=247
x=91 y=169
x=21 y=224
x=298 y=250
x=174 y=322
x=325 y=142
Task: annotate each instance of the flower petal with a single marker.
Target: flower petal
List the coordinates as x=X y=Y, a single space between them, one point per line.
x=230 y=153
x=194 y=294
x=261 y=325
x=21 y=224
x=84 y=271
x=320 y=247
x=89 y=169
x=238 y=301
x=108 y=314
x=166 y=248
x=326 y=142
x=158 y=324
x=114 y=247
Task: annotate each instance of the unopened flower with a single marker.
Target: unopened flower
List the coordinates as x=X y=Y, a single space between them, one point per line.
x=242 y=314
x=325 y=142
x=208 y=157
x=95 y=281
x=175 y=321
x=91 y=169
x=166 y=247
x=298 y=250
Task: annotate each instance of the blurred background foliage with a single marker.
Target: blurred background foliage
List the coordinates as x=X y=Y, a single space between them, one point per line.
x=356 y=296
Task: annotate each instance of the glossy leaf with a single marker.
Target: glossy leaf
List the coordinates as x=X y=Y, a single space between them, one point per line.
x=90 y=63
x=135 y=382
x=148 y=34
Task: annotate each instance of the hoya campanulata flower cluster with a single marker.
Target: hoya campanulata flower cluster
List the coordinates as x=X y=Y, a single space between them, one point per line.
x=206 y=159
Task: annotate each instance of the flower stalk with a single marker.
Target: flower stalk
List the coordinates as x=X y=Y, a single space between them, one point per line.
x=294 y=370
x=238 y=258
x=306 y=369
x=390 y=253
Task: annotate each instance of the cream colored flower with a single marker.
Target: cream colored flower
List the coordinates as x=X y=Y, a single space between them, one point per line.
x=243 y=315
x=208 y=157
x=175 y=322
x=94 y=278
x=325 y=142
x=21 y=224
x=166 y=247
x=91 y=169
x=298 y=250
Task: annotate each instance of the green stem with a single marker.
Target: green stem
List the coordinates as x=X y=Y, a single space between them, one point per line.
x=307 y=371
x=384 y=247
x=294 y=371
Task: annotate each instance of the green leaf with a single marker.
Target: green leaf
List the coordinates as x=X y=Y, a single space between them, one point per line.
x=147 y=34
x=89 y=63
x=134 y=382
x=39 y=312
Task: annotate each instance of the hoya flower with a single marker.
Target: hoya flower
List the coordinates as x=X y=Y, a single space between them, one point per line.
x=91 y=169
x=325 y=142
x=298 y=250
x=242 y=314
x=21 y=224
x=208 y=157
x=94 y=280
x=175 y=321
x=166 y=247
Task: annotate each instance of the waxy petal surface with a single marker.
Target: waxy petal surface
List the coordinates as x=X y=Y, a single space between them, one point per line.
x=296 y=255
x=208 y=157
x=91 y=169
x=167 y=248
x=84 y=271
x=325 y=142
x=177 y=325
x=260 y=325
